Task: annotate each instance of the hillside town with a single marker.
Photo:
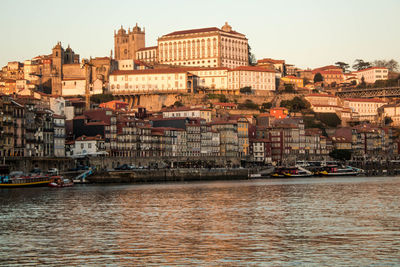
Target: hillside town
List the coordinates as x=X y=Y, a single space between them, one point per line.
x=197 y=98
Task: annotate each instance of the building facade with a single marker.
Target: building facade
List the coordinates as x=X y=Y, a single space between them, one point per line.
x=206 y=47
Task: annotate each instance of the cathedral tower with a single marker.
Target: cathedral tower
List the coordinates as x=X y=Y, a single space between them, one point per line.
x=127 y=43
x=57 y=58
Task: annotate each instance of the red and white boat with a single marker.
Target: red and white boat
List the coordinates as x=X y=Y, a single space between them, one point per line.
x=59 y=182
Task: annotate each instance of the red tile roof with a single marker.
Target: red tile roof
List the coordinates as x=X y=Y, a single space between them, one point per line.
x=211 y=29
x=364 y=100
x=372 y=68
x=149 y=71
x=147 y=48
x=270 y=60
x=250 y=68
x=326 y=68
x=89 y=138
x=321 y=95
x=184 y=109
x=94 y=123
x=292 y=77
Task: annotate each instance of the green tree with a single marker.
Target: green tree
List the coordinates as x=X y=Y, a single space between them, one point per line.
x=245 y=90
x=340 y=154
x=360 y=64
x=101 y=98
x=318 y=78
x=329 y=119
x=297 y=104
x=388 y=120
x=343 y=66
x=266 y=105
x=391 y=65
x=363 y=84
x=178 y=104
x=251 y=56
x=248 y=104
x=289 y=88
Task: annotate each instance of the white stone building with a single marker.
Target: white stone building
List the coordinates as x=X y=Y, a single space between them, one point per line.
x=367 y=109
x=206 y=47
x=371 y=75
x=187 y=112
x=259 y=79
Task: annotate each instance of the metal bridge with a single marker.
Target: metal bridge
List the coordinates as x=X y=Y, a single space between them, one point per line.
x=370 y=93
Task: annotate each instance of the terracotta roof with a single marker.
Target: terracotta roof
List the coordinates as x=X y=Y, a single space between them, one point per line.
x=89 y=138
x=372 y=68
x=73 y=79
x=329 y=72
x=58 y=116
x=321 y=95
x=292 y=77
x=184 y=109
x=81 y=117
x=114 y=101
x=270 y=60
x=149 y=71
x=250 y=68
x=211 y=29
x=364 y=100
x=201 y=30
x=94 y=123
x=326 y=68
x=147 y=48
x=320 y=105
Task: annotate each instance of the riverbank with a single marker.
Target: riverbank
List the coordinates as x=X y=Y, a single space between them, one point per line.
x=168 y=175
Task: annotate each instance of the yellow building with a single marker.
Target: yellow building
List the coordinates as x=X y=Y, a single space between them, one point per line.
x=295 y=81
x=243 y=136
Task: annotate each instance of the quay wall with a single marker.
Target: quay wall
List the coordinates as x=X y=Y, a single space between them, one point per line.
x=112 y=162
x=168 y=175
x=28 y=163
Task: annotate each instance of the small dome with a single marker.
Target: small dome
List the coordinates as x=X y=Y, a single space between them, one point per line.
x=136 y=28
x=226 y=27
x=121 y=31
x=68 y=49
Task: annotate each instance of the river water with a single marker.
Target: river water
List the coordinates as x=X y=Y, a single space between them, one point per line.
x=292 y=222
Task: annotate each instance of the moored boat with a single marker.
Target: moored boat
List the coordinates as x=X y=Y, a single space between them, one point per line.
x=24 y=181
x=340 y=171
x=59 y=182
x=297 y=172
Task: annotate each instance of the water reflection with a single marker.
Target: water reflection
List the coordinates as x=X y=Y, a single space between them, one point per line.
x=341 y=221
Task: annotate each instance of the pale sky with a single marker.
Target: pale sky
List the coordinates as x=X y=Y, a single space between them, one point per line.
x=307 y=33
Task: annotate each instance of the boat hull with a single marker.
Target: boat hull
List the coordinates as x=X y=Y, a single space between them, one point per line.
x=31 y=184
x=55 y=185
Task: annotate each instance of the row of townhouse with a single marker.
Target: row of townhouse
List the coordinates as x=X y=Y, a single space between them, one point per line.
x=30 y=131
x=366 y=141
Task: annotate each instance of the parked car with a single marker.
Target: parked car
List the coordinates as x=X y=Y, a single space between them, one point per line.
x=125 y=167
x=36 y=171
x=52 y=171
x=79 y=168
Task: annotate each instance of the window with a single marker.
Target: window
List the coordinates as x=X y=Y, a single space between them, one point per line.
x=82 y=146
